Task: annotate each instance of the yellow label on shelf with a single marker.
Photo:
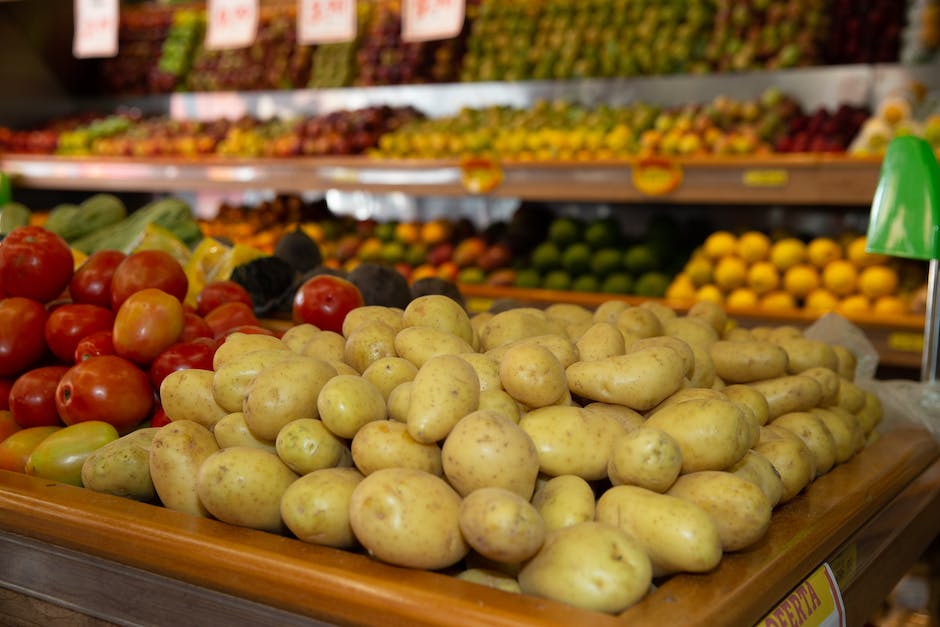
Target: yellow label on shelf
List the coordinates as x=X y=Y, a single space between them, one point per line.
x=477 y=305
x=765 y=178
x=480 y=175
x=911 y=342
x=817 y=602
x=656 y=177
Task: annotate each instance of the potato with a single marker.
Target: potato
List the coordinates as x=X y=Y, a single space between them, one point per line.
x=387 y=444
x=691 y=331
x=325 y=345
x=746 y=396
x=663 y=312
x=315 y=507
x=646 y=457
x=445 y=390
x=609 y=310
x=306 y=445
x=243 y=486
x=532 y=375
x=231 y=379
x=236 y=344
x=703 y=368
x=871 y=413
x=743 y=362
x=491 y=579
x=687 y=394
x=342 y=367
x=590 y=565
x=639 y=322
x=571 y=441
x=846 y=432
x=298 y=335
x=560 y=346
x=232 y=430
x=711 y=312
x=569 y=313
x=828 y=380
x=600 y=340
x=386 y=373
x=758 y=470
x=678 y=535
x=487 y=370
x=348 y=402
x=804 y=353
x=486 y=449
x=738 y=334
x=739 y=508
x=283 y=392
x=814 y=434
x=369 y=342
x=563 y=501
x=846 y=362
x=441 y=313
x=122 y=467
x=789 y=393
x=392 y=316
x=681 y=347
x=784 y=331
x=640 y=379
x=187 y=395
x=790 y=457
x=399 y=401
x=408 y=518
x=176 y=452
x=501 y=525
x=626 y=417
x=850 y=397
x=574 y=330
x=419 y=344
x=516 y=324
x=712 y=433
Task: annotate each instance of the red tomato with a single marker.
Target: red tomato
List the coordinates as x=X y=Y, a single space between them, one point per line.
x=35 y=263
x=324 y=301
x=97 y=343
x=108 y=388
x=219 y=292
x=147 y=323
x=250 y=328
x=60 y=456
x=160 y=419
x=91 y=283
x=148 y=269
x=16 y=449
x=69 y=324
x=8 y=426
x=32 y=399
x=5 y=384
x=194 y=326
x=230 y=315
x=179 y=356
x=22 y=334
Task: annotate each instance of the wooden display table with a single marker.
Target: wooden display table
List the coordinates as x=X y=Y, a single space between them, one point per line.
x=125 y=561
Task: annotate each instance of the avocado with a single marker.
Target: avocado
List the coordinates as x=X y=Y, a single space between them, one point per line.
x=299 y=250
x=381 y=285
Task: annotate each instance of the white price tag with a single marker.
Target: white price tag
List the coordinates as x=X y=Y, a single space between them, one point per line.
x=326 y=21
x=424 y=20
x=231 y=23
x=96 y=28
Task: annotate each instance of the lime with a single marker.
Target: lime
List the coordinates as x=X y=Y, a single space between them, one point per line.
x=639 y=258
x=557 y=280
x=602 y=233
x=472 y=276
x=576 y=258
x=385 y=231
x=564 y=231
x=585 y=283
x=605 y=261
x=393 y=252
x=416 y=254
x=617 y=283
x=651 y=284
x=528 y=278
x=546 y=256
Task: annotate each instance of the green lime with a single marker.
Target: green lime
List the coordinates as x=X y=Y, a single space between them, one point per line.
x=416 y=254
x=393 y=252
x=651 y=284
x=546 y=256
x=605 y=261
x=557 y=280
x=639 y=258
x=472 y=276
x=602 y=233
x=564 y=231
x=576 y=258
x=585 y=283
x=385 y=231
x=617 y=283
x=528 y=278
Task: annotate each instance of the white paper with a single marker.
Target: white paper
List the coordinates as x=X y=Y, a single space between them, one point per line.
x=326 y=21
x=425 y=20
x=96 y=28
x=231 y=23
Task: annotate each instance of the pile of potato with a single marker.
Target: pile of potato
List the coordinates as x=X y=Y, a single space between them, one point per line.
x=565 y=453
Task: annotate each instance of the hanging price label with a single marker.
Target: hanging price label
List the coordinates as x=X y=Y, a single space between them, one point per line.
x=326 y=21
x=96 y=28
x=231 y=23
x=424 y=20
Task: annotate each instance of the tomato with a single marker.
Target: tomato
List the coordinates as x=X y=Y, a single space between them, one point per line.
x=324 y=301
x=179 y=356
x=5 y=384
x=68 y=324
x=219 y=292
x=91 y=283
x=97 y=343
x=22 y=334
x=148 y=269
x=32 y=398
x=230 y=315
x=147 y=323
x=250 y=328
x=15 y=449
x=35 y=263
x=108 y=388
x=194 y=326
x=8 y=425
x=60 y=456
x=160 y=419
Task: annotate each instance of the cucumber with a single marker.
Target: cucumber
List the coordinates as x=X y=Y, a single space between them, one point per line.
x=73 y=222
x=12 y=215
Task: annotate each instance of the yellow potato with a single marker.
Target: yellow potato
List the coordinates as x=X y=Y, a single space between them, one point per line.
x=516 y=324
x=569 y=313
x=590 y=565
x=122 y=467
x=231 y=379
x=571 y=441
x=500 y=402
x=487 y=370
x=237 y=344
x=342 y=367
x=678 y=535
x=703 y=369
x=744 y=396
x=828 y=380
x=712 y=433
x=532 y=375
x=387 y=373
x=609 y=310
x=298 y=335
x=783 y=331
x=691 y=331
x=315 y=507
x=687 y=394
x=419 y=344
x=187 y=395
x=739 y=508
x=392 y=316
x=325 y=345
x=490 y=578
x=814 y=434
x=846 y=432
x=368 y=343
x=746 y=361
x=574 y=330
x=790 y=457
x=639 y=322
x=387 y=444
x=738 y=334
x=599 y=341
x=347 y=403
x=399 y=400
x=804 y=353
x=681 y=347
x=639 y=380
x=563 y=501
x=626 y=417
x=560 y=346
x=758 y=470
x=233 y=431
x=441 y=313
x=871 y=413
x=645 y=457
x=711 y=312
x=283 y=392
x=501 y=525
x=789 y=393
x=445 y=390
x=177 y=451
x=847 y=362
x=663 y=312
x=408 y=518
x=306 y=445
x=850 y=397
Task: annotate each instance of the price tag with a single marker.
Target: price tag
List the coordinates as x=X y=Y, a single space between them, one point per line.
x=909 y=342
x=765 y=178
x=817 y=602
x=326 y=21
x=96 y=28
x=424 y=20
x=231 y=23
x=480 y=175
x=657 y=177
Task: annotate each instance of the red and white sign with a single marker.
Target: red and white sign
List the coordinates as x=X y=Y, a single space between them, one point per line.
x=231 y=23
x=424 y=20
x=326 y=21
x=96 y=28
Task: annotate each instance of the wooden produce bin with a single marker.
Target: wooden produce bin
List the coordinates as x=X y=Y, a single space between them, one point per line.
x=128 y=562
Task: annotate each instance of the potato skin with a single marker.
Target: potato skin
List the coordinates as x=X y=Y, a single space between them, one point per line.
x=236 y=344
x=639 y=380
x=438 y=312
x=187 y=395
x=122 y=467
x=283 y=392
x=391 y=316
x=387 y=444
x=814 y=434
x=789 y=393
x=599 y=341
x=176 y=453
x=386 y=373
x=348 y=402
x=532 y=375
x=232 y=378
x=369 y=342
x=516 y=324
x=757 y=469
x=233 y=431
x=563 y=501
x=315 y=507
x=712 y=433
x=445 y=390
x=501 y=525
x=419 y=344
x=743 y=362
x=647 y=457
x=790 y=457
x=570 y=440
x=306 y=445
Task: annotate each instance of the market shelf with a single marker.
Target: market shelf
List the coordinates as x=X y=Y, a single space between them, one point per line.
x=835 y=180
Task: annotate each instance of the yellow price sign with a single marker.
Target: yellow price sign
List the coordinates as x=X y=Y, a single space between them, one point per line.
x=817 y=602
x=656 y=176
x=910 y=342
x=765 y=178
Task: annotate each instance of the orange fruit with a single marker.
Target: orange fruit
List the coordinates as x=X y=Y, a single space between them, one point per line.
x=710 y=292
x=753 y=246
x=763 y=277
x=682 y=288
x=890 y=306
x=855 y=252
x=821 y=250
x=742 y=297
x=820 y=299
x=719 y=244
x=699 y=270
x=787 y=252
x=730 y=273
x=840 y=277
x=801 y=279
x=856 y=303
x=776 y=300
x=877 y=281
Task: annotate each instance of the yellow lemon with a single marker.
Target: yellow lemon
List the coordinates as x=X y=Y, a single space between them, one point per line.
x=801 y=279
x=776 y=300
x=854 y=304
x=699 y=270
x=681 y=288
x=890 y=306
x=822 y=250
x=877 y=281
x=709 y=292
x=787 y=252
x=763 y=277
x=753 y=246
x=730 y=272
x=855 y=252
x=742 y=297
x=840 y=277
x=719 y=244
x=820 y=299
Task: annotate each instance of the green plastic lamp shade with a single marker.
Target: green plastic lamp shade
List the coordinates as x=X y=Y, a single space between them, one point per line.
x=905 y=212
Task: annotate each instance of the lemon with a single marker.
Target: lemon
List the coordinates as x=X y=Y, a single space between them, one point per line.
x=730 y=272
x=681 y=288
x=820 y=299
x=822 y=250
x=787 y=252
x=890 y=306
x=877 y=281
x=753 y=246
x=840 y=277
x=801 y=279
x=854 y=304
x=776 y=300
x=763 y=277
x=742 y=297
x=719 y=244
x=855 y=252
x=699 y=270
x=709 y=292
